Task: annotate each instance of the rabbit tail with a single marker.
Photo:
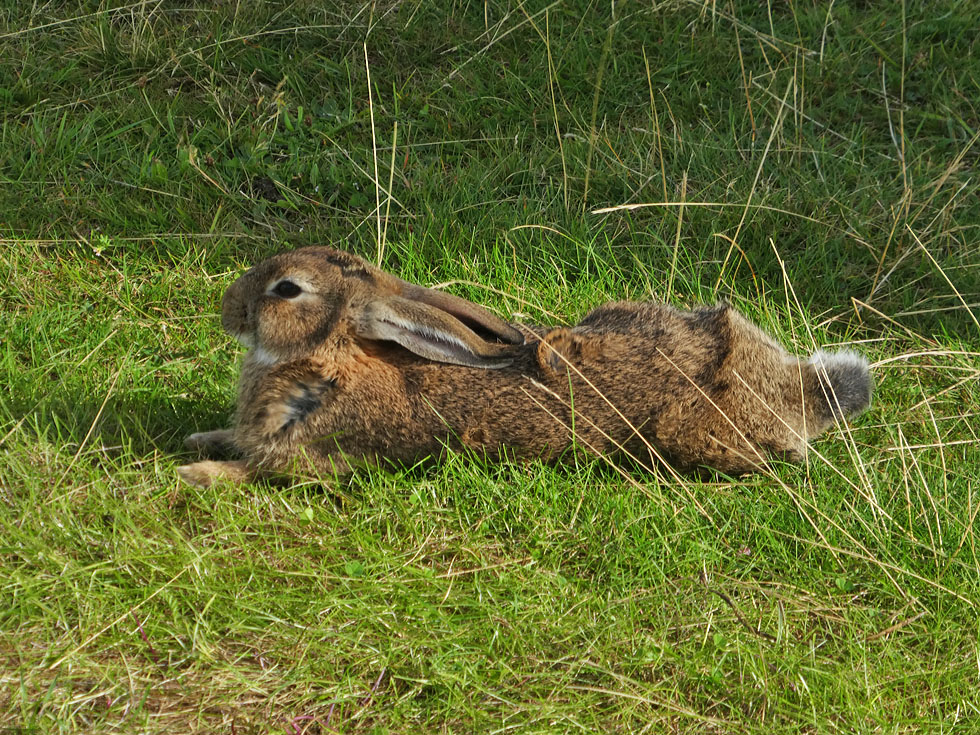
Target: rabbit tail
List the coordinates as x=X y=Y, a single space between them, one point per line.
x=841 y=389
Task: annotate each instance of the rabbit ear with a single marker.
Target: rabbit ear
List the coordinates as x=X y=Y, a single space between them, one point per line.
x=429 y=333
x=465 y=311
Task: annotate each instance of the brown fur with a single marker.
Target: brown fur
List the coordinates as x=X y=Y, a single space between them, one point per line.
x=697 y=388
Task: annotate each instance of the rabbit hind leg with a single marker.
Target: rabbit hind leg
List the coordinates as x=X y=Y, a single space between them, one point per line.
x=217 y=442
x=208 y=472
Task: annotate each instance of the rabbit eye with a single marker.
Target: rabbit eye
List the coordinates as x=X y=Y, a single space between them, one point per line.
x=287 y=290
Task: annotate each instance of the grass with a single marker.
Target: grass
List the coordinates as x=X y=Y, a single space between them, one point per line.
x=814 y=164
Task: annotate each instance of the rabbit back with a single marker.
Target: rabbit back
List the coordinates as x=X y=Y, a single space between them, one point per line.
x=706 y=386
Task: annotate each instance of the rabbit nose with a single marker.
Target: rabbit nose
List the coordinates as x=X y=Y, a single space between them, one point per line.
x=235 y=313
x=244 y=317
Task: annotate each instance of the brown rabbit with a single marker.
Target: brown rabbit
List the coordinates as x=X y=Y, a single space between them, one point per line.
x=349 y=365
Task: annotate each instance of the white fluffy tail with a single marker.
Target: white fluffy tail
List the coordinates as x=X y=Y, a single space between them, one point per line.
x=845 y=384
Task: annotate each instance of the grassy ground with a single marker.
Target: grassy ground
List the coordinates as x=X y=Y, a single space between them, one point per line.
x=814 y=163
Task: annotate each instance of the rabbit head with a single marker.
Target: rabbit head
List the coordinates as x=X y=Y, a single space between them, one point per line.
x=298 y=303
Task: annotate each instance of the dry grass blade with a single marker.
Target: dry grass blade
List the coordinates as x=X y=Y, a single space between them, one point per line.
x=379 y=258
x=897 y=626
x=776 y=129
x=945 y=278
x=391 y=181
x=95 y=422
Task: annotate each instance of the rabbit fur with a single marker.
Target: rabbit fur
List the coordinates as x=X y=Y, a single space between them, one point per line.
x=350 y=366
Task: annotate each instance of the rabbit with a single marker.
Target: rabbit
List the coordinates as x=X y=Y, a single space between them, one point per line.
x=349 y=366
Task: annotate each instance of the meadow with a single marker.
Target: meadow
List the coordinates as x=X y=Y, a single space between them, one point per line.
x=813 y=163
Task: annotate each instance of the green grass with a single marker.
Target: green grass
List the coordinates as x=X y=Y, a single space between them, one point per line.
x=826 y=158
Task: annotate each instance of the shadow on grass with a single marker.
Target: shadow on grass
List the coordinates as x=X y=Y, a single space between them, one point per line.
x=130 y=423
